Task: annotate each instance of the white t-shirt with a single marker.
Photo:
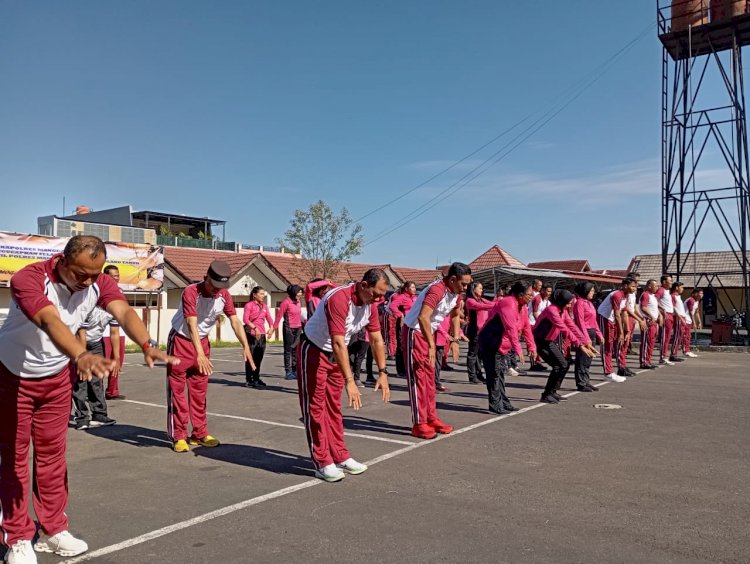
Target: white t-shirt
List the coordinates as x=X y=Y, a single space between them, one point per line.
x=439 y=298
x=25 y=349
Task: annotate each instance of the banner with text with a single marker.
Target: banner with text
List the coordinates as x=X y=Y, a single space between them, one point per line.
x=141 y=266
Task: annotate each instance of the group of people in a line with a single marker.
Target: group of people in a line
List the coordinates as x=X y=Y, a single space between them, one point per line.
x=52 y=349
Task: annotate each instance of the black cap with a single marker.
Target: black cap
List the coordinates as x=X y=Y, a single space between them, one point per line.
x=219 y=273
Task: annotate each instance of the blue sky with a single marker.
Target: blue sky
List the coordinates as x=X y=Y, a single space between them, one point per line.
x=244 y=111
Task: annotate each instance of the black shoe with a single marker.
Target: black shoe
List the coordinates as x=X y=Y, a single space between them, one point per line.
x=370 y=380
x=101 y=420
x=558 y=397
x=482 y=379
x=648 y=367
x=591 y=387
x=584 y=388
x=448 y=368
x=676 y=359
x=474 y=381
x=117 y=397
x=538 y=368
x=548 y=398
x=249 y=384
x=510 y=407
x=360 y=383
x=81 y=425
x=260 y=383
x=498 y=410
x=390 y=357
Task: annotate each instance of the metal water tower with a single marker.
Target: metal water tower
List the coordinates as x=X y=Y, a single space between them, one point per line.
x=705 y=168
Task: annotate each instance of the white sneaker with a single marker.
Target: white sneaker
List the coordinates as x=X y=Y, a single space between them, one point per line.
x=512 y=372
x=21 y=553
x=63 y=544
x=352 y=466
x=614 y=377
x=667 y=362
x=691 y=354
x=330 y=473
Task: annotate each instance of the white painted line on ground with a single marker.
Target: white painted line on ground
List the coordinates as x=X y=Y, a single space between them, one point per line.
x=280 y=493
x=276 y=424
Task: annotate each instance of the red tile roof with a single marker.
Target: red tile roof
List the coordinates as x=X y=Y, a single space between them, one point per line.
x=192 y=264
x=494 y=256
x=616 y=273
x=575 y=265
x=420 y=276
x=291 y=270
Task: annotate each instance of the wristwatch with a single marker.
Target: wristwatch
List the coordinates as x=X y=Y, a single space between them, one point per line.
x=383 y=370
x=151 y=343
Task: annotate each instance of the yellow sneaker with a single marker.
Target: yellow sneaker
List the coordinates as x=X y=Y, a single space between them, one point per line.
x=180 y=446
x=207 y=441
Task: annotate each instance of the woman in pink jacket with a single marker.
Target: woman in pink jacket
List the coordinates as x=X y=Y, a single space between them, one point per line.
x=255 y=317
x=584 y=314
x=477 y=310
x=400 y=305
x=552 y=327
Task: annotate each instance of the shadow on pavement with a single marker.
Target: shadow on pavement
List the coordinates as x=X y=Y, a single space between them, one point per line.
x=267 y=459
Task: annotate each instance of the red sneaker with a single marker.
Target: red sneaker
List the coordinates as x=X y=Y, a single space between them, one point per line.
x=440 y=427
x=423 y=431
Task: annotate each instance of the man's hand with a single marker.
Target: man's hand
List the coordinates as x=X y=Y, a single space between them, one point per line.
x=642 y=324
x=352 y=392
x=153 y=354
x=91 y=365
x=248 y=357
x=115 y=372
x=382 y=384
x=431 y=355
x=204 y=365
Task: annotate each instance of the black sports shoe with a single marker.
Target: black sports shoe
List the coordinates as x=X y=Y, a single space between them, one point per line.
x=676 y=359
x=584 y=388
x=538 y=368
x=448 y=368
x=260 y=383
x=558 y=397
x=510 y=407
x=548 y=398
x=81 y=425
x=100 y=420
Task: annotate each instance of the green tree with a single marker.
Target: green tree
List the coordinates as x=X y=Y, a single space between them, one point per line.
x=322 y=239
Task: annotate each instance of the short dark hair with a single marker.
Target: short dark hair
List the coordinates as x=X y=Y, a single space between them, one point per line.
x=374 y=275
x=459 y=269
x=292 y=290
x=627 y=281
x=651 y=280
x=676 y=285
x=696 y=291
x=109 y=268
x=545 y=286
x=664 y=277
x=519 y=288
x=537 y=280
x=633 y=274
x=84 y=243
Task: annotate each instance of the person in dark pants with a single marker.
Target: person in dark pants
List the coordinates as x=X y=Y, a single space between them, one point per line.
x=553 y=326
x=584 y=314
x=499 y=340
x=291 y=312
x=477 y=310
x=255 y=316
x=90 y=393
x=358 y=347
